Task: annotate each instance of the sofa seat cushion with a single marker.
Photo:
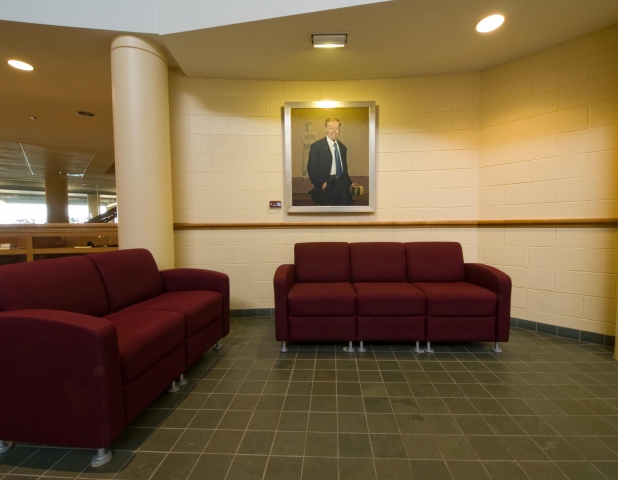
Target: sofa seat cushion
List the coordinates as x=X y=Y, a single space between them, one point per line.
x=199 y=308
x=461 y=329
x=322 y=328
x=389 y=299
x=145 y=337
x=458 y=299
x=317 y=299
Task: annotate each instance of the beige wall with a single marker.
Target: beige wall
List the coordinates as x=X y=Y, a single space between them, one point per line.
x=549 y=128
x=534 y=138
x=227 y=157
x=228 y=147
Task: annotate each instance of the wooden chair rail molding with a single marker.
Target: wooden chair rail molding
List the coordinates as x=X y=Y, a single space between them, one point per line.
x=546 y=222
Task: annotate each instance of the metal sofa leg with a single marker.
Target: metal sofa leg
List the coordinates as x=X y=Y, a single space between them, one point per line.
x=181 y=380
x=173 y=388
x=417 y=348
x=102 y=456
x=428 y=348
x=217 y=347
x=350 y=348
x=284 y=347
x=361 y=347
x=5 y=446
x=497 y=348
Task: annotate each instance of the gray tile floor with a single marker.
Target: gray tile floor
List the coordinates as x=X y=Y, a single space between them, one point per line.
x=546 y=408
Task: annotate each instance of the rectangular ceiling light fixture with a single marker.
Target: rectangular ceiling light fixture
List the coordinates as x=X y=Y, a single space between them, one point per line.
x=329 y=40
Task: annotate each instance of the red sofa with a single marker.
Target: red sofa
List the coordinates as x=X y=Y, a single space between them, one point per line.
x=88 y=342
x=389 y=291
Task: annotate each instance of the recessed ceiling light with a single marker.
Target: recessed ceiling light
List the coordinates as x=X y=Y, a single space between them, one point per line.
x=329 y=40
x=489 y=24
x=20 y=65
x=85 y=114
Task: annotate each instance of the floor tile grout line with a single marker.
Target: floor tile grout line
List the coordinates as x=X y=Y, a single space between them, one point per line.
x=596 y=365
x=167 y=454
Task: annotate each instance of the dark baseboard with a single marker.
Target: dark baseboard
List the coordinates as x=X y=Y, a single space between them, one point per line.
x=253 y=312
x=564 y=332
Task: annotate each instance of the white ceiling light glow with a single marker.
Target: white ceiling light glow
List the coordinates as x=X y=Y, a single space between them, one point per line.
x=20 y=65
x=489 y=24
x=329 y=40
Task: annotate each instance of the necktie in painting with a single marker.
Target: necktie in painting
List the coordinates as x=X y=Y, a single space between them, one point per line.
x=338 y=167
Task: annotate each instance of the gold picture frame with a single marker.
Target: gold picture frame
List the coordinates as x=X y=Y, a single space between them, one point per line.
x=304 y=125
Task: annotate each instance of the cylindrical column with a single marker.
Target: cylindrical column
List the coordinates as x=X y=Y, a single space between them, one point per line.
x=57 y=199
x=140 y=101
x=93 y=204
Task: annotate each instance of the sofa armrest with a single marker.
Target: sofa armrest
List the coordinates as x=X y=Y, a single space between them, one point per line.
x=498 y=282
x=61 y=379
x=185 y=279
x=282 y=283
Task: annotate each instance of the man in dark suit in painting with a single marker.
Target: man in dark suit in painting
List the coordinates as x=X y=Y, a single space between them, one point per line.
x=328 y=168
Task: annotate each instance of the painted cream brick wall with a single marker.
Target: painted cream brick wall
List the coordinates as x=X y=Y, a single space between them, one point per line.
x=549 y=127
x=534 y=138
x=227 y=160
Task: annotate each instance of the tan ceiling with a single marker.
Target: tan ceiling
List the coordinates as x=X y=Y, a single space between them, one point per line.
x=72 y=74
x=392 y=39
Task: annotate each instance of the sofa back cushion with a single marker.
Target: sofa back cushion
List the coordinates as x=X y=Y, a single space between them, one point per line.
x=435 y=262
x=129 y=276
x=68 y=283
x=378 y=262
x=316 y=262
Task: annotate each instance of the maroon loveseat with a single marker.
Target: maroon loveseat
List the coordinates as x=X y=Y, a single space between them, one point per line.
x=88 y=342
x=389 y=291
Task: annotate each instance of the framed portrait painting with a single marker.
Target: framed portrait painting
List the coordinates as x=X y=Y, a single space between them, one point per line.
x=329 y=156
